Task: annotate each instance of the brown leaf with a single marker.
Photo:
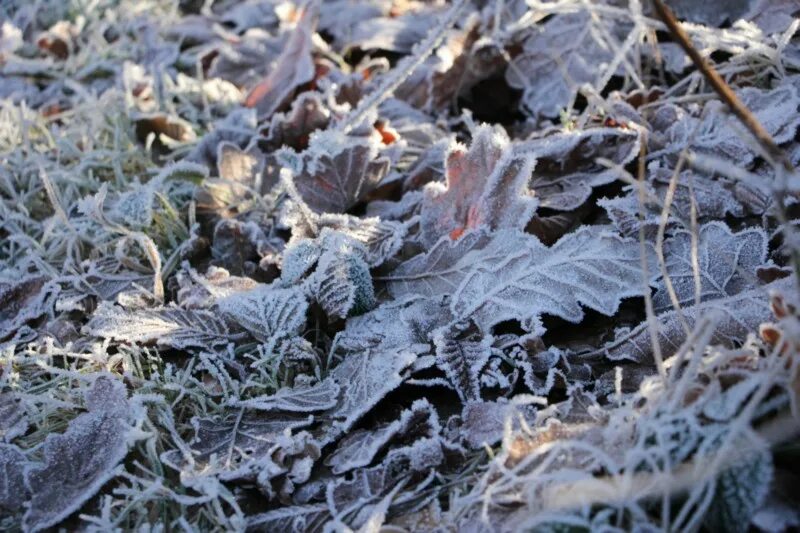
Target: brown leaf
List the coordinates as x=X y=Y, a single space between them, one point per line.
x=295 y=67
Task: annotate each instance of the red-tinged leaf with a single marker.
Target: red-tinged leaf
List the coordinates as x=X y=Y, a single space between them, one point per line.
x=486 y=186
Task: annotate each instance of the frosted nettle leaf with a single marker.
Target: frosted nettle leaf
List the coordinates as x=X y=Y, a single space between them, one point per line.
x=342 y=283
x=360 y=447
x=485 y=187
x=411 y=465
x=268 y=313
x=166 y=326
x=739 y=493
x=292 y=519
x=513 y=276
x=736 y=317
x=78 y=462
x=13 y=492
x=294 y=128
x=299 y=260
x=336 y=171
x=366 y=377
x=13 y=417
x=557 y=58
x=727 y=263
x=294 y=67
x=233 y=446
x=382 y=239
x=375 y=349
x=461 y=353
x=566 y=168
x=304 y=399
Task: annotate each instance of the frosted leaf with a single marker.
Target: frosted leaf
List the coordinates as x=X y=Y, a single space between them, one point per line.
x=299 y=260
x=512 y=276
x=236 y=166
x=557 y=58
x=713 y=12
x=392 y=34
x=775 y=109
x=342 y=283
x=737 y=316
x=268 y=313
x=360 y=447
x=376 y=348
x=302 y=399
x=294 y=128
x=773 y=16
x=78 y=462
x=727 y=263
x=485 y=187
x=233 y=446
x=483 y=423
x=13 y=417
x=435 y=85
x=714 y=198
x=365 y=487
x=366 y=377
x=166 y=326
x=246 y=15
x=382 y=239
x=405 y=209
x=623 y=212
x=133 y=209
x=202 y=291
x=435 y=272
x=727 y=404
x=107 y=394
x=102 y=279
x=739 y=493
x=236 y=245
x=291 y=519
x=246 y=62
x=336 y=171
x=294 y=67
x=12 y=480
x=566 y=168
x=22 y=301
x=238 y=127
x=461 y=353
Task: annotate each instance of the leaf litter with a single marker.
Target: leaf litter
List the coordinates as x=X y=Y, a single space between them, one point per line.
x=469 y=265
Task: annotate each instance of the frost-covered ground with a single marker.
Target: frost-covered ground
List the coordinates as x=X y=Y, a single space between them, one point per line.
x=481 y=265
